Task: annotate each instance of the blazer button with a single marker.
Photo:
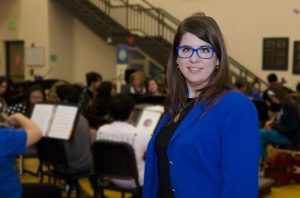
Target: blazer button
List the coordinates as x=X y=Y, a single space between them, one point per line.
x=171 y=162
x=173 y=189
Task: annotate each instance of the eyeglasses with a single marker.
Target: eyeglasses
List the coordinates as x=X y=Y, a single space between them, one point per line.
x=204 y=52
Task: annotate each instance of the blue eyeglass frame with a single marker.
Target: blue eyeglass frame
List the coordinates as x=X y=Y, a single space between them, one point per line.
x=195 y=50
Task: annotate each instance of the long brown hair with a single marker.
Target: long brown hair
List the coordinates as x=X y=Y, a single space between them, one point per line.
x=206 y=29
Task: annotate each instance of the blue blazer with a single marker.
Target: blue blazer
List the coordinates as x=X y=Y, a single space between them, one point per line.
x=216 y=156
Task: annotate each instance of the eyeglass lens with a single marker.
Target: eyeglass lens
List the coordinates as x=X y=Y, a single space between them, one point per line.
x=204 y=52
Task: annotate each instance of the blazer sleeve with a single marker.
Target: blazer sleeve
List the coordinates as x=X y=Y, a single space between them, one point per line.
x=240 y=147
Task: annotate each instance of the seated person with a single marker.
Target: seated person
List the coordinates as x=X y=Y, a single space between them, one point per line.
x=93 y=81
x=78 y=148
x=263 y=112
x=250 y=91
x=98 y=110
x=283 y=126
x=36 y=94
x=4 y=89
x=241 y=86
x=136 y=84
x=13 y=142
x=52 y=93
x=152 y=88
x=281 y=91
x=121 y=130
x=153 y=95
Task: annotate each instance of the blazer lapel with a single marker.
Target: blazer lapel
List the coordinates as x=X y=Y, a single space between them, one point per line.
x=189 y=118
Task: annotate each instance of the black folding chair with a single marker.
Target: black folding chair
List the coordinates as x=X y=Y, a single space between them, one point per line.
x=54 y=164
x=31 y=153
x=114 y=160
x=33 y=190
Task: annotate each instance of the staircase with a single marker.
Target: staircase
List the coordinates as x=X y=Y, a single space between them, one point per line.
x=98 y=17
x=99 y=22
x=143 y=26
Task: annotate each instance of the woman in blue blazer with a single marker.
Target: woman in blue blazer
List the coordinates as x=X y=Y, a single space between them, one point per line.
x=207 y=144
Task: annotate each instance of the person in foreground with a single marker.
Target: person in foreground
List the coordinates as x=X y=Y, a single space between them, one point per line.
x=13 y=142
x=207 y=144
x=120 y=130
x=78 y=148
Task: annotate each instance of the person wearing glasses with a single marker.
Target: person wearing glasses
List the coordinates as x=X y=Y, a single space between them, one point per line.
x=207 y=143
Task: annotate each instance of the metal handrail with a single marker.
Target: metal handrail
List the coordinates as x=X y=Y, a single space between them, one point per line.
x=133 y=14
x=163 y=12
x=246 y=73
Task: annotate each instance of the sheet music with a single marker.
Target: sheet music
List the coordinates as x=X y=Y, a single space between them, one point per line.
x=148 y=120
x=41 y=115
x=63 y=122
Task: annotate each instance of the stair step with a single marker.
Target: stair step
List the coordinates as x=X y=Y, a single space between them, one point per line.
x=105 y=26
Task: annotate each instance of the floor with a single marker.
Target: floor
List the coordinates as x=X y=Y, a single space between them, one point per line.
x=31 y=165
x=289 y=191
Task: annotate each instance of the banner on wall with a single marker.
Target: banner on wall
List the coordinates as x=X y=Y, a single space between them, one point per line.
x=122 y=54
x=122 y=64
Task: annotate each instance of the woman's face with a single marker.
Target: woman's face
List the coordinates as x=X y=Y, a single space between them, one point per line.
x=36 y=96
x=3 y=87
x=136 y=81
x=152 y=86
x=195 y=69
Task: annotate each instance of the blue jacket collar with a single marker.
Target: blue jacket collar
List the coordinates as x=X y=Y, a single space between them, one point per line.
x=192 y=116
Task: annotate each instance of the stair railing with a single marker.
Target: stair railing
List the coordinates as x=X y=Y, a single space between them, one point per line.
x=151 y=21
x=146 y=21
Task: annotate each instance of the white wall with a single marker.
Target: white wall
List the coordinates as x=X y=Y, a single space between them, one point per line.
x=78 y=49
x=244 y=24
x=61 y=36
x=91 y=53
x=33 y=28
x=30 y=17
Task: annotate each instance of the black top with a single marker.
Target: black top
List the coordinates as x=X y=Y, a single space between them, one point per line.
x=161 y=145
